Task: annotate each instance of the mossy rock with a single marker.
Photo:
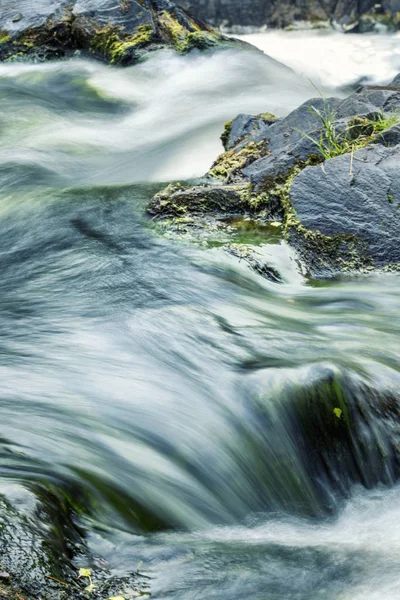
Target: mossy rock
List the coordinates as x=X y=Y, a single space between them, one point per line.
x=119 y=34
x=346 y=430
x=179 y=201
x=39 y=548
x=336 y=190
x=231 y=162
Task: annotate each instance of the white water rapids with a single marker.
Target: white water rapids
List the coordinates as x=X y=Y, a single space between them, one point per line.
x=333 y=59
x=167 y=113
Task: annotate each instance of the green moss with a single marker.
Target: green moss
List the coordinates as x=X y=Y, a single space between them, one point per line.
x=116 y=46
x=177 y=201
x=182 y=38
x=344 y=252
x=176 y=33
x=259 y=201
x=275 y=194
x=321 y=251
x=28 y=39
x=51 y=40
x=268 y=116
x=245 y=193
x=4 y=37
x=226 y=134
x=165 y=203
x=392 y=268
x=143 y=35
x=231 y=161
x=200 y=39
x=282 y=192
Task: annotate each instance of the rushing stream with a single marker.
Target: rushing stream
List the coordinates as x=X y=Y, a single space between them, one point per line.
x=152 y=375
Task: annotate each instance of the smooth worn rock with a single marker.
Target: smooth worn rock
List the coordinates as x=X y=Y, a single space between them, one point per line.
x=329 y=171
x=362 y=201
x=367 y=15
x=118 y=31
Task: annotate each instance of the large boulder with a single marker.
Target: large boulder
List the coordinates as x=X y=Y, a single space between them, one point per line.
x=350 y=14
x=354 y=210
x=118 y=31
x=328 y=171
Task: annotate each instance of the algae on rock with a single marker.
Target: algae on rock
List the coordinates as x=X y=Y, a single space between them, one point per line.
x=121 y=34
x=281 y=170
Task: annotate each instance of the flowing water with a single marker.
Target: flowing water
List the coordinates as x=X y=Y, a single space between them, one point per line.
x=154 y=376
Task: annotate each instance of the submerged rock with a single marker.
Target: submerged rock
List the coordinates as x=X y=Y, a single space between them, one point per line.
x=118 y=31
x=345 y=429
x=328 y=171
x=42 y=549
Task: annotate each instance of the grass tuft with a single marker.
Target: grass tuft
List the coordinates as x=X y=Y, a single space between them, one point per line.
x=360 y=132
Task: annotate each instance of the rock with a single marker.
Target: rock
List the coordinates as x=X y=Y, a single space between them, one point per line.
x=38 y=549
x=396 y=81
x=355 y=206
x=252 y=257
x=390 y=137
x=328 y=171
x=117 y=31
x=351 y=15
x=176 y=201
x=246 y=127
x=346 y=429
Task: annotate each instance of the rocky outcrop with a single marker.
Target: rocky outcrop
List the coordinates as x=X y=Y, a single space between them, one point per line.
x=118 y=31
x=354 y=14
x=328 y=172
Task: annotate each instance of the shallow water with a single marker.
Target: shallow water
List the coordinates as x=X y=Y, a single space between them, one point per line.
x=148 y=373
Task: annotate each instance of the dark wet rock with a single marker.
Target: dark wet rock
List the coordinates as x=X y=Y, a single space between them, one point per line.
x=176 y=201
x=390 y=137
x=41 y=551
x=252 y=257
x=341 y=429
x=362 y=202
x=246 y=127
x=118 y=31
x=367 y=15
x=328 y=171
x=346 y=429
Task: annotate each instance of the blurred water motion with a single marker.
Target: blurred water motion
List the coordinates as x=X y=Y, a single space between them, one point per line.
x=159 y=377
